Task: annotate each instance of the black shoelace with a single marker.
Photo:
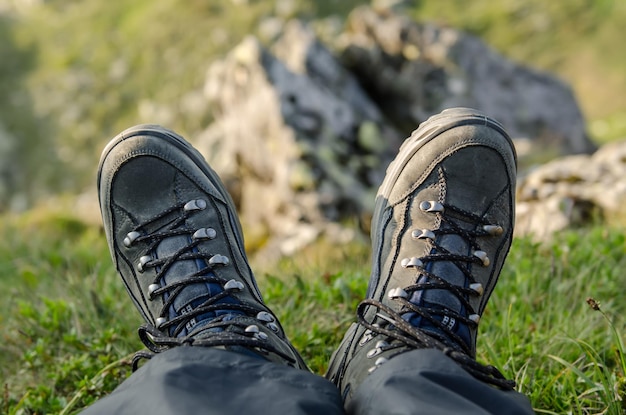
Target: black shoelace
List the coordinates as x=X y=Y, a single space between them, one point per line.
x=229 y=329
x=400 y=333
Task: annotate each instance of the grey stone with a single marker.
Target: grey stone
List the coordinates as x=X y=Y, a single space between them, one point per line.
x=297 y=140
x=573 y=191
x=10 y=197
x=415 y=70
x=302 y=145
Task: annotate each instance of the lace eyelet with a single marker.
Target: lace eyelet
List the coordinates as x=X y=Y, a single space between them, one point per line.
x=219 y=260
x=379 y=362
x=367 y=336
x=151 y=289
x=234 y=285
x=141 y=266
x=196 y=204
x=477 y=288
x=264 y=316
x=431 y=206
x=130 y=238
x=204 y=233
x=397 y=293
x=423 y=234
x=373 y=353
x=493 y=230
x=413 y=262
x=252 y=329
x=482 y=255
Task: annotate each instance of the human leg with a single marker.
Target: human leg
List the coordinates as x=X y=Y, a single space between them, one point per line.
x=426 y=381
x=176 y=241
x=441 y=229
x=192 y=380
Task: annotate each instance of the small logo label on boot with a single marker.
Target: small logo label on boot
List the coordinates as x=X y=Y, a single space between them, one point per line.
x=449 y=322
x=188 y=308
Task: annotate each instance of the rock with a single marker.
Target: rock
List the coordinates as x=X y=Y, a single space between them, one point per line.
x=302 y=146
x=10 y=169
x=296 y=140
x=414 y=70
x=573 y=191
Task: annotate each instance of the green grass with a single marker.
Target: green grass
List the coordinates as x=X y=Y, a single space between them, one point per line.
x=69 y=328
x=76 y=73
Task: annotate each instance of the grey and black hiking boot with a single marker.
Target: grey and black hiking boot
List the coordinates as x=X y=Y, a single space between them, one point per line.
x=175 y=239
x=441 y=230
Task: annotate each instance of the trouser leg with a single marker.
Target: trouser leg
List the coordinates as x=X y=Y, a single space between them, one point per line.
x=426 y=381
x=195 y=380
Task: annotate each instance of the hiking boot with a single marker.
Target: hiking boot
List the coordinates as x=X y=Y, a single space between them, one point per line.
x=441 y=230
x=175 y=239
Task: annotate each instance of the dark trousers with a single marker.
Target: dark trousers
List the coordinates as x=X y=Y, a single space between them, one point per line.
x=196 y=380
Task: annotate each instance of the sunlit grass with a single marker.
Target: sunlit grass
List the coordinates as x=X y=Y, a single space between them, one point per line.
x=69 y=328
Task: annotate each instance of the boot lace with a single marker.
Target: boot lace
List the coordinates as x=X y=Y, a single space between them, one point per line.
x=227 y=325
x=401 y=333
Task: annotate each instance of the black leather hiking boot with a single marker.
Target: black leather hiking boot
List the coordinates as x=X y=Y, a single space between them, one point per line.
x=175 y=239
x=441 y=230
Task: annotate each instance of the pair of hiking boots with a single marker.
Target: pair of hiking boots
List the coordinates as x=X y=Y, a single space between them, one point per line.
x=441 y=230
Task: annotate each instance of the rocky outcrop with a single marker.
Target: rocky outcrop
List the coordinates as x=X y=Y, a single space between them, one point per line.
x=302 y=138
x=298 y=142
x=414 y=70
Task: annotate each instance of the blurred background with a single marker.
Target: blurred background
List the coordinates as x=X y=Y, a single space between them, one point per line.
x=75 y=73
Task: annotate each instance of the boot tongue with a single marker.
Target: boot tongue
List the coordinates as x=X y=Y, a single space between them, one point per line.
x=192 y=295
x=439 y=298
x=448 y=271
